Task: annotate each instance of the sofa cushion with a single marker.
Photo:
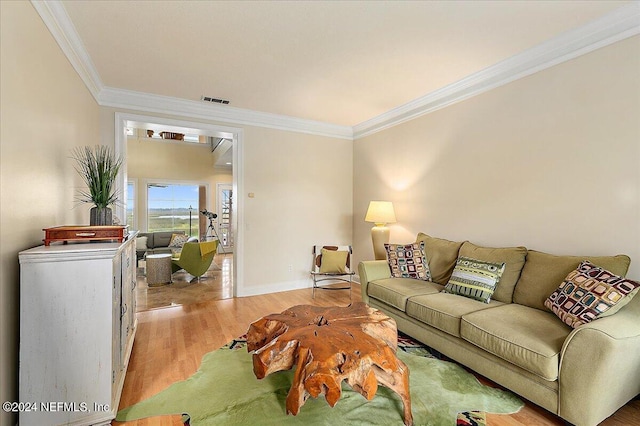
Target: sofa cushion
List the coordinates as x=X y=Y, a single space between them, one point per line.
x=543 y=273
x=396 y=291
x=524 y=336
x=408 y=261
x=441 y=256
x=589 y=293
x=514 y=259
x=162 y=238
x=443 y=310
x=474 y=278
x=163 y=250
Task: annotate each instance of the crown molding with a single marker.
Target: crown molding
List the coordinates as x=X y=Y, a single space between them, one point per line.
x=618 y=25
x=127 y=99
x=57 y=20
x=621 y=23
x=64 y=32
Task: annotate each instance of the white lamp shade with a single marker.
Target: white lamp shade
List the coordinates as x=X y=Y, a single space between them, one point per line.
x=380 y=212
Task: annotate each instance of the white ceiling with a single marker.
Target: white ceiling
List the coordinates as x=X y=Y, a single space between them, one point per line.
x=339 y=62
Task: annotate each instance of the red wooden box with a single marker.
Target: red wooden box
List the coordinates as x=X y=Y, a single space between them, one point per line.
x=84 y=233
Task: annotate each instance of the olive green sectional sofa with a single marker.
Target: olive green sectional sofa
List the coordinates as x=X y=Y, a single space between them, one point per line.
x=583 y=375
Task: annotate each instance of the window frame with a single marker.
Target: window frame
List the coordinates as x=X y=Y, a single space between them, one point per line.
x=134 y=206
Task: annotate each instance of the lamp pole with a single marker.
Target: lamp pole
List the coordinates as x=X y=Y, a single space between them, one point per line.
x=190 y=209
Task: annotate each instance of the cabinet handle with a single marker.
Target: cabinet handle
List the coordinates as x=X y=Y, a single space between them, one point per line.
x=85 y=234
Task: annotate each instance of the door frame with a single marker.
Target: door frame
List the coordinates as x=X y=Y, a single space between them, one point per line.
x=123 y=119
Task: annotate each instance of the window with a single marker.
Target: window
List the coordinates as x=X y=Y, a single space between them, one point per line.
x=173 y=207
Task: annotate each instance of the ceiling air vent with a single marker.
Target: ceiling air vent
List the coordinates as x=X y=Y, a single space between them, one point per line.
x=215 y=100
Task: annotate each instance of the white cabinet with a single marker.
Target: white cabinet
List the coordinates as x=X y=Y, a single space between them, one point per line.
x=77 y=325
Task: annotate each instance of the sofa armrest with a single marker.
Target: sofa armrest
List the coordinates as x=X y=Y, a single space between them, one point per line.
x=371 y=270
x=600 y=367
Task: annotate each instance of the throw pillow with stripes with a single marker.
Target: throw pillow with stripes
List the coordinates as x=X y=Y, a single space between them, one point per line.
x=474 y=278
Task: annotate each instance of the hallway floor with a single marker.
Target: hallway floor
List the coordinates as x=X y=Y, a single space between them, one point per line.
x=215 y=284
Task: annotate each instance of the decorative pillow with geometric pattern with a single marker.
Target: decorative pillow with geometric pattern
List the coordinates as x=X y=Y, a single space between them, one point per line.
x=178 y=240
x=589 y=293
x=408 y=261
x=475 y=279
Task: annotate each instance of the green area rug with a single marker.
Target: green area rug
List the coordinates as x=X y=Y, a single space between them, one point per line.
x=224 y=391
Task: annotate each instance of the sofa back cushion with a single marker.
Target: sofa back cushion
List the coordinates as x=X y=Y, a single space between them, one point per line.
x=514 y=259
x=543 y=273
x=163 y=238
x=441 y=256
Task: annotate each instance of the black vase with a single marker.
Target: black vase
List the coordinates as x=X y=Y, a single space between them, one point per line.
x=100 y=216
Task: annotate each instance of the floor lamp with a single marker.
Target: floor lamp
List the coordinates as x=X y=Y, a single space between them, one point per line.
x=380 y=213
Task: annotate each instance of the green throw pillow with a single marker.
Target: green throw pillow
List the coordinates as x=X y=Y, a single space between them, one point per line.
x=333 y=261
x=513 y=258
x=474 y=279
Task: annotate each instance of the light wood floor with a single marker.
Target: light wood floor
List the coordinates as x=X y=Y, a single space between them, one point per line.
x=170 y=343
x=215 y=284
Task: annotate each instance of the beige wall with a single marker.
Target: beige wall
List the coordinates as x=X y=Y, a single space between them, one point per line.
x=46 y=111
x=550 y=162
x=151 y=160
x=302 y=186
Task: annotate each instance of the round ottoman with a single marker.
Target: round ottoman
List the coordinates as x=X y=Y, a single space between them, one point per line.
x=158 y=269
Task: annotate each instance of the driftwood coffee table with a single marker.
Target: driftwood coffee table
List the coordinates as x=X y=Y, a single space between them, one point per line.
x=328 y=345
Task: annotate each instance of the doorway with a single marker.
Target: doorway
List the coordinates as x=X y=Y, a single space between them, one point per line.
x=231 y=208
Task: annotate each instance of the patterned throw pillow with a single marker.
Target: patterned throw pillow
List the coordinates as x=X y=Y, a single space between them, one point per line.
x=589 y=293
x=408 y=261
x=475 y=279
x=178 y=240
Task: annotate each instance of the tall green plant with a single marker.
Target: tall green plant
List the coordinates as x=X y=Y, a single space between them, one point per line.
x=98 y=167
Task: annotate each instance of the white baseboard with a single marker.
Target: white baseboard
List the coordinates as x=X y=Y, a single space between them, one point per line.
x=281 y=286
x=274 y=287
